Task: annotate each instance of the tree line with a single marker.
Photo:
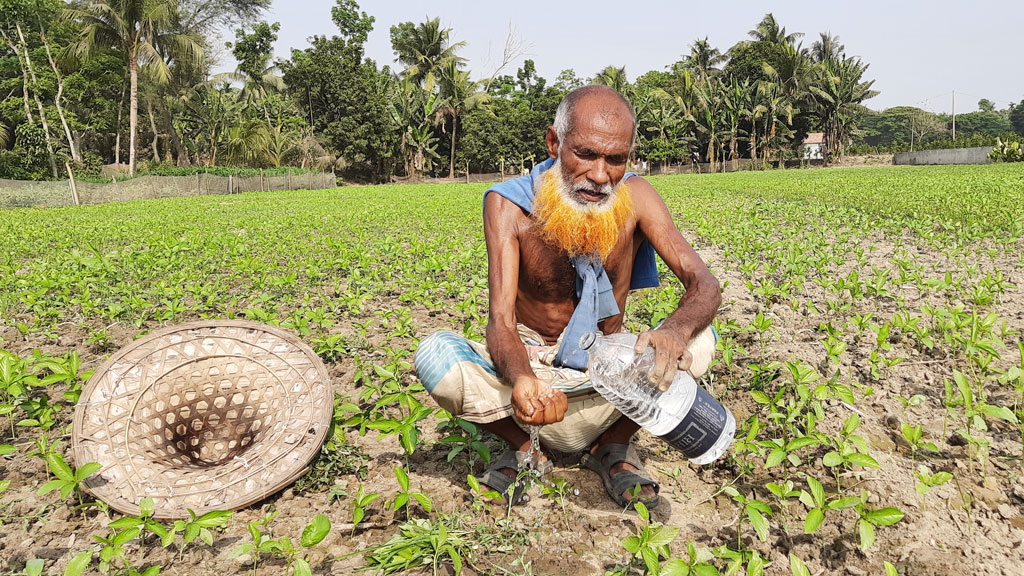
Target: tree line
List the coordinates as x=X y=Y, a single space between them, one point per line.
x=130 y=82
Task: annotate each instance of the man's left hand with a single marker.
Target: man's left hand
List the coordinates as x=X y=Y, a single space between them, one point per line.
x=671 y=353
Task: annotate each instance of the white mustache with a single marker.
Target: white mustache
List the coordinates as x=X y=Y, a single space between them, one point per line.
x=605 y=189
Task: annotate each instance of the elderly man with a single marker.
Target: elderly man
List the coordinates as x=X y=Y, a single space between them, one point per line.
x=565 y=245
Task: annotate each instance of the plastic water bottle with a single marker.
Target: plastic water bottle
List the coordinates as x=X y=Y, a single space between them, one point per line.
x=685 y=415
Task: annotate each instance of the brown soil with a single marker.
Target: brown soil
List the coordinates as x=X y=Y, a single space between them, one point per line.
x=941 y=538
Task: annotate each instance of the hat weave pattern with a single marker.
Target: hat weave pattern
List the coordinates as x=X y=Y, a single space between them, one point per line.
x=208 y=416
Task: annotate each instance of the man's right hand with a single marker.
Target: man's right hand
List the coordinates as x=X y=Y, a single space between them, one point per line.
x=535 y=402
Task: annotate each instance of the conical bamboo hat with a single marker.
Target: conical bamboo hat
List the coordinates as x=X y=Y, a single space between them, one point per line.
x=211 y=415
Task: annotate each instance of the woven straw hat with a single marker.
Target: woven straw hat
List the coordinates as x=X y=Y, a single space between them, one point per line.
x=208 y=415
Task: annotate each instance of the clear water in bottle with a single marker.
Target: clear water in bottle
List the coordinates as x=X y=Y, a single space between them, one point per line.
x=685 y=415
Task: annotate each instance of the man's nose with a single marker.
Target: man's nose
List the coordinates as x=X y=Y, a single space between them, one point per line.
x=598 y=173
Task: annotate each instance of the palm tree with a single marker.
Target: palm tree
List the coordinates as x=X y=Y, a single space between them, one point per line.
x=141 y=30
x=704 y=58
x=827 y=48
x=459 y=94
x=614 y=78
x=424 y=49
x=837 y=97
x=768 y=30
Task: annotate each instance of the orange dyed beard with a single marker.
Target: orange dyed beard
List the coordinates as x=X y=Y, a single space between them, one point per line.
x=580 y=229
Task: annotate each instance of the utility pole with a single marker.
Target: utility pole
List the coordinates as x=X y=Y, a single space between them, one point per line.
x=954 y=115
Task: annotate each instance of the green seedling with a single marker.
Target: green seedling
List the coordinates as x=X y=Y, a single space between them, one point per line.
x=283 y=547
x=359 y=504
x=914 y=435
x=559 y=489
x=465 y=438
x=754 y=511
x=67 y=480
x=402 y=498
x=926 y=481
x=869 y=519
x=817 y=504
x=481 y=498
x=144 y=522
x=200 y=527
x=650 y=544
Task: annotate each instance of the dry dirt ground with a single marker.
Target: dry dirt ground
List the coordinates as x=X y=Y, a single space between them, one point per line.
x=944 y=537
x=972 y=525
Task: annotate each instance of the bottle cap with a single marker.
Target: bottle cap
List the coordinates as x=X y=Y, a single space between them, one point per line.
x=587 y=340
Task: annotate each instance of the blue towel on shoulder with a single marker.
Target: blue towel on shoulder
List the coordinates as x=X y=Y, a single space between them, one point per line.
x=596 y=300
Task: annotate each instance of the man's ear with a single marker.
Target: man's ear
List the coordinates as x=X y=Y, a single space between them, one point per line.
x=551 y=140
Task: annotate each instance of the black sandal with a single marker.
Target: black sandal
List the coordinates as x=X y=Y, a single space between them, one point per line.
x=612 y=453
x=499 y=481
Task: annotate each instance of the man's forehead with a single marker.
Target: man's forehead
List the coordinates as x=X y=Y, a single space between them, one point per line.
x=601 y=115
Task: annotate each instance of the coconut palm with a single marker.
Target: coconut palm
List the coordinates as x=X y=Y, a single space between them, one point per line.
x=827 y=48
x=458 y=94
x=704 y=59
x=142 y=31
x=769 y=30
x=424 y=49
x=614 y=78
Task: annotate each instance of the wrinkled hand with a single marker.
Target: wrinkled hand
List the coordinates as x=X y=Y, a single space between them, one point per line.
x=536 y=402
x=670 y=354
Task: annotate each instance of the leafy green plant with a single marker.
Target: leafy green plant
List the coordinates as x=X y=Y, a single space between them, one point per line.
x=558 y=489
x=650 y=544
x=401 y=499
x=200 y=527
x=926 y=481
x=283 y=547
x=869 y=519
x=67 y=480
x=359 y=503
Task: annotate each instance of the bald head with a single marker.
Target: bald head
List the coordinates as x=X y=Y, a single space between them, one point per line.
x=592 y=99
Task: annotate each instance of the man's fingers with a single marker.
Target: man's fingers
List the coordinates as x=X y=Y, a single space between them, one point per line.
x=663 y=371
x=642 y=341
x=686 y=360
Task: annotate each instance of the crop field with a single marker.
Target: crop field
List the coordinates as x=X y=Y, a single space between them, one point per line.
x=871 y=352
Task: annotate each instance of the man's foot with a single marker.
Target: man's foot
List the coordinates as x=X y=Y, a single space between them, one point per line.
x=620 y=469
x=505 y=471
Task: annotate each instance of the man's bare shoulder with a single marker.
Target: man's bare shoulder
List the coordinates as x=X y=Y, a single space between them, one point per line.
x=647 y=202
x=502 y=214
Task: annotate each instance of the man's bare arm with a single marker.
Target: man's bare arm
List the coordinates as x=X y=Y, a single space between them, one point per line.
x=703 y=295
x=533 y=401
x=500 y=231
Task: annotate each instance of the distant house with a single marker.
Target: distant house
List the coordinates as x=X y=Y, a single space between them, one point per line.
x=814 y=146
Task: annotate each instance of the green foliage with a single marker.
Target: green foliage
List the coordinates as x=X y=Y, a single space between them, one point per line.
x=68 y=480
x=296 y=562
x=1007 y=152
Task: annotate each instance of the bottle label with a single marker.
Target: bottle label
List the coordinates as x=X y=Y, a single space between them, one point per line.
x=698 y=431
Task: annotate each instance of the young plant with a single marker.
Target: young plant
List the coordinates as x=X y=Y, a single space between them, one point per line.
x=283 y=547
x=359 y=504
x=869 y=519
x=817 y=504
x=402 y=498
x=67 y=480
x=559 y=489
x=926 y=481
x=650 y=543
x=754 y=510
x=200 y=527
x=145 y=521
x=914 y=435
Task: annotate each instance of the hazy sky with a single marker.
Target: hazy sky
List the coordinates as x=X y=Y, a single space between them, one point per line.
x=919 y=52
